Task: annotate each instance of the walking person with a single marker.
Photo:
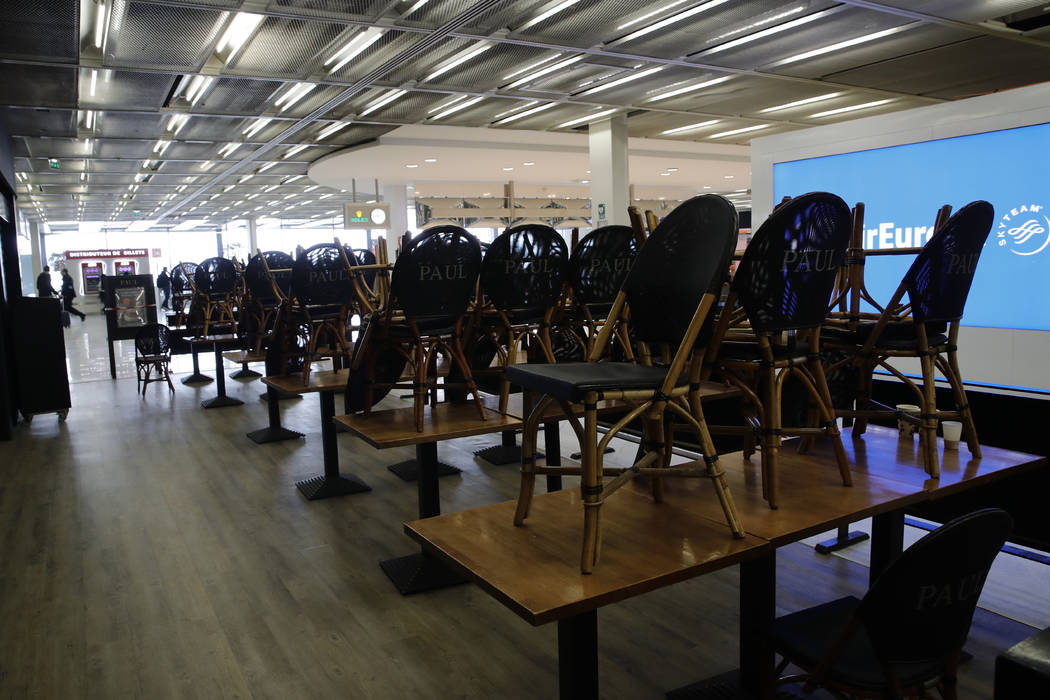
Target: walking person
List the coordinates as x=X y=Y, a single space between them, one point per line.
x=164 y=284
x=43 y=284
x=68 y=294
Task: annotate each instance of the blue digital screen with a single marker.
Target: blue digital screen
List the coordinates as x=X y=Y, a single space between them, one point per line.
x=902 y=187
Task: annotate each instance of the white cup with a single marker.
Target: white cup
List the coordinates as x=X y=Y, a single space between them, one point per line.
x=905 y=427
x=952 y=430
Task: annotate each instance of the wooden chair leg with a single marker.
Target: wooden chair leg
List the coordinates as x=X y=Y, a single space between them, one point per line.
x=771 y=436
x=715 y=473
x=928 y=419
x=167 y=377
x=962 y=404
x=419 y=389
x=460 y=359
x=590 y=488
x=865 y=374
x=827 y=414
x=528 y=463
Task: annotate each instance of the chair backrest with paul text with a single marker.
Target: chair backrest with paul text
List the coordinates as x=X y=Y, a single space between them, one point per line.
x=436 y=274
x=257 y=278
x=921 y=607
x=320 y=276
x=152 y=340
x=216 y=277
x=939 y=279
x=600 y=263
x=181 y=275
x=685 y=257
x=524 y=269
x=788 y=270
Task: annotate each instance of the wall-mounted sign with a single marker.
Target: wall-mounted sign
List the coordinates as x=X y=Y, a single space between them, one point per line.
x=106 y=253
x=156 y=253
x=366 y=216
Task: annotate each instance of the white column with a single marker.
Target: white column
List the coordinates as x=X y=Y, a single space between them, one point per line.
x=397 y=197
x=34 y=245
x=610 y=193
x=253 y=238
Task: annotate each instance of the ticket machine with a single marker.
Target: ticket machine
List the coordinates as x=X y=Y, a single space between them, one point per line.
x=124 y=267
x=91 y=276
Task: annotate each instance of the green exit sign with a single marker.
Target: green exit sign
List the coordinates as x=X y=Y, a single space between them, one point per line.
x=53 y=163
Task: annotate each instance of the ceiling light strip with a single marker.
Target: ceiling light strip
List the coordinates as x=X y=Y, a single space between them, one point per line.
x=554 y=9
x=845 y=44
x=842 y=110
x=799 y=103
x=786 y=26
x=689 y=88
x=588 y=118
x=621 y=81
x=690 y=127
x=743 y=130
x=673 y=19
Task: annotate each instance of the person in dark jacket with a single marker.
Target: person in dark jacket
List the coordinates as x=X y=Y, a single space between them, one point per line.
x=164 y=285
x=68 y=294
x=43 y=284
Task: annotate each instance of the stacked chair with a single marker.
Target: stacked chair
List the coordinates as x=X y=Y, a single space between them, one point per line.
x=522 y=276
x=669 y=297
x=926 y=327
x=434 y=281
x=769 y=329
x=324 y=296
x=181 y=290
x=268 y=282
x=216 y=287
x=153 y=355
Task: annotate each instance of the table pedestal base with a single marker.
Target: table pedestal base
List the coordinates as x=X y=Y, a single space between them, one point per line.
x=318 y=487
x=245 y=373
x=265 y=435
x=726 y=686
x=281 y=396
x=409 y=469
x=507 y=452
x=417 y=573
x=842 y=539
x=197 y=378
x=221 y=401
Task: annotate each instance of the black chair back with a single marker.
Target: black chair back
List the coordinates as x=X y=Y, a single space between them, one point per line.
x=436 y=274
x=363 y=256
x=153 y=339
x=787 y=273
x=320 y=277
x=258 y=281
x=921 y=607
x=216 y=277
x=179 y=281
x=687 y=256
x=600 y=263
x=524 y=269
x=938 y=282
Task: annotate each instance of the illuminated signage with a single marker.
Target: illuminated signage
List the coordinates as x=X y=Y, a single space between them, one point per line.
x=366 y=216
x=106 y=253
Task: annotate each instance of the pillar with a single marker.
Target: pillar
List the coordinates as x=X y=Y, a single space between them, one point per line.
x=397 y=197
x=253 y=238
x=610 y=195
x=35 y=248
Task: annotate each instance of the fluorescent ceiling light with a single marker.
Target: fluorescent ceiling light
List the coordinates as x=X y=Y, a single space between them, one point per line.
x=198 y=86
x=460 y=58
x=382 y=101
x=256 y=126
x=245 y=179
x=690 y=127
x=293 y=95
x=295 y=149
x=229 y=148
x=589 y=117
x=415 y=7
x=100 y=24
x=529 y=67
x=188 y=224
x=292 y=179
x=227 y=188
x=673 y=19
x=238 y=31
x=271 y=188
x=161 y=146
x=621 y=81
x=844 y=44
x=515 y=108
x=647 y=15
x=94 y=81
x=526 y=113
x=446 y=105
x=689 y=88
x=841 y=110
x=176 y=123
x=353 y=48
x=552 y=10
x=311 y=188
x=799 y=103
x=544 y=71
x=771 y=30
x=331 y=129
x=743 y=130
x=206 y=165
x=457 y=107
x=266 y=167
x=89 y=119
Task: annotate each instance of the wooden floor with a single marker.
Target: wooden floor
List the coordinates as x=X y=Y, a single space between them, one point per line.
x=149 y=549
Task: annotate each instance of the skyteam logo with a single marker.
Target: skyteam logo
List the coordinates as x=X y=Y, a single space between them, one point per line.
x=1024 y=230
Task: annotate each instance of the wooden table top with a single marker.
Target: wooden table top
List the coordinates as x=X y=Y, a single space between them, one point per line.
x=209 y=339
x=648 y=545
x=327 y=380
x=245 y=356
x=397 y=428
x=645 y=546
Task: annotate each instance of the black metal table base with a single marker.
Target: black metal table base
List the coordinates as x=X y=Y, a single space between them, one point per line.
x=221 y=401
x=507 y=452
x=417 y=573
x=726 y=686
x=318 y=487
x=281 y=396
x=842 y=539
x=409 y=469
x=265 y=435
x=197 y=378
x=245 y=373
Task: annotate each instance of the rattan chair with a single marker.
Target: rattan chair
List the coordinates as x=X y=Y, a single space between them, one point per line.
x=268 y=280
x=181 y=291
x=769 y=329
x=926 y=327
x=433 y=284
x=597 y=268
x=668 y=296
x=323 y=300
x=906 y=634
x=522 y=278
x=215 y=285
x=153 y=355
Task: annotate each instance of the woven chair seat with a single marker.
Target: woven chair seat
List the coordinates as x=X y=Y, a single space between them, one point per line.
x=897 y=335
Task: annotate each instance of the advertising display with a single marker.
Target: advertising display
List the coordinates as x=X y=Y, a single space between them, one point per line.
x=903 y=186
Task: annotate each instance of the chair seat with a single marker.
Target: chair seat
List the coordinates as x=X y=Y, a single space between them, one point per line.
x=572 y=380
x=897 y=335
x=743 y=351
x=146 y=359
x=807 y=635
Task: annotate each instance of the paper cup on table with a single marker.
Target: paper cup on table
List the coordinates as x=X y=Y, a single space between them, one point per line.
x=906 y=428
x=952 y=430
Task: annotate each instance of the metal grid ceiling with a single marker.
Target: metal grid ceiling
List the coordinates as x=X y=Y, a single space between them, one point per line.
x=40 y=30
x=145 y=37
x=285 y=47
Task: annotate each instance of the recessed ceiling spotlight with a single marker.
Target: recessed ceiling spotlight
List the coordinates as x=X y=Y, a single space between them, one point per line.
x=707 y=187
x=672 y=170
x=665 y=174
x=507 y=169
x=412 y=165
x=729 y=177
x=430 y=160
x=529 y=162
